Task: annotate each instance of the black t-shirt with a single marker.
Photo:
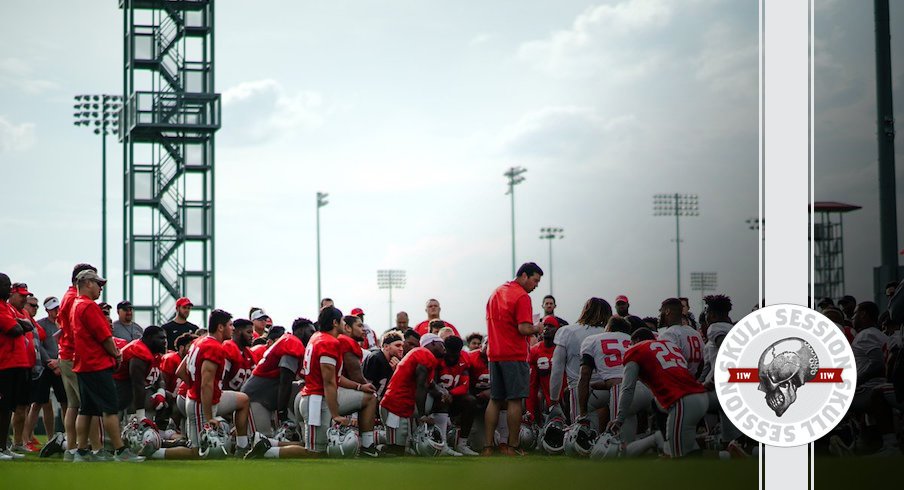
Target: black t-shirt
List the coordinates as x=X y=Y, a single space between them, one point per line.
x=174 y=330
x=378 y=371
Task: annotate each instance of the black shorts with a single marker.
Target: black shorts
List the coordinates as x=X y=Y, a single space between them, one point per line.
x=509 y=380
x=124 y=395
x=40 y=388
x=15 y=385
x=98 y=393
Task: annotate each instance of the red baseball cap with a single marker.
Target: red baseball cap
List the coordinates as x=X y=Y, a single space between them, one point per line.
x=183 y=301
x=19 y=288
x=551 y=320
x=621 y=298
x=357 y=312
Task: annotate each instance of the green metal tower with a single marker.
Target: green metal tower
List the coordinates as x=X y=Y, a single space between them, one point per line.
x=169 y=116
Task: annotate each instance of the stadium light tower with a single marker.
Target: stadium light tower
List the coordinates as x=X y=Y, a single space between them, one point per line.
x=551 y=234
x=389 y=279
x=100 y=113
x=676 y=205
x=703 y=282
x=321 y=202
x=514 y=178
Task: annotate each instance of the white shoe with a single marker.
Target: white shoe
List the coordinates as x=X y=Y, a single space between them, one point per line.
x=11 y=454
x=463 y=448
x=448 y=451
x=5 y=457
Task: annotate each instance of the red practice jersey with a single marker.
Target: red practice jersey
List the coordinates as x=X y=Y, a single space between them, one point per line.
x=664 y=370
x=400 y=394
x=64 y=341
x=322 y=348
x=455 y=378
x=205 y=349
x=169 y=364
x=479 y=371
x=137 y=349
x=239 y=363
x=540 y=367
x=348 y=344
x=287 y=345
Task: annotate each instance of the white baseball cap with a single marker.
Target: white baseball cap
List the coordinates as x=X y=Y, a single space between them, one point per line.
x=51 y=303
x=429 y=338
x=258 y=314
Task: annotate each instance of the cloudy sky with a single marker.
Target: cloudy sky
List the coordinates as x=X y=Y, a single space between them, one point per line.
x=408 y=112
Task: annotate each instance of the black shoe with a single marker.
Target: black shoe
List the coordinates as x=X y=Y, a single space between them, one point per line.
x=372 y=452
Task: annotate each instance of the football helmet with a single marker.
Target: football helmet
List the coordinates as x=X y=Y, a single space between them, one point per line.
x=528 y=436
x=428 y=441
x=607 y=445
x=213 y=443
x=341 y=442
x=131 y=435
x=288 y=432
x=579 y=440
x=552 y=436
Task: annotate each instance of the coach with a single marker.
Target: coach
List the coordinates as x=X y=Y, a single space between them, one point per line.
x=509 y=315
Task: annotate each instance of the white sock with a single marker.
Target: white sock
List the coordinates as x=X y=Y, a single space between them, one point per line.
x=272 y=453
x=65 y=445
x=159 y=454
x=367 y=439
x=241 y=441
x=442 y=422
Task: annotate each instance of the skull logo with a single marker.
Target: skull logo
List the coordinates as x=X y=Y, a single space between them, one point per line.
x=784 y=367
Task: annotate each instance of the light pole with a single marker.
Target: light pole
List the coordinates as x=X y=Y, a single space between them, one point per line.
x=514 y=178
x=100 y=113
x=676 y=205
x=389 y=279
x=321 y=202
x=703 y=282
x=551 y=234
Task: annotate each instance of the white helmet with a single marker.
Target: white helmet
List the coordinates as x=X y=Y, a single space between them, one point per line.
x=227 y=432
x=428 y=441
x=528 y=436
x=579 y=440
x=213 y=444
x=288 y=432
x=150 y=442
x=341 y=442
x=131 y=435
x=607 y=445
x=552 y=436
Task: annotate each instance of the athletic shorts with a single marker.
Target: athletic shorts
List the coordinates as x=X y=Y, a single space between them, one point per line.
x=97 y=392
x=70 y=383
x=509 y=380
x=350 y=401
x=398 y=429
x=195 y=419
x=263 y=391
x=15 y=384
x=40 y=388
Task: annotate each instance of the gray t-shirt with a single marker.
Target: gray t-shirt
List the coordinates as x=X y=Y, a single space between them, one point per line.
x=50 y=342
x=128 y=332
x=568 y=341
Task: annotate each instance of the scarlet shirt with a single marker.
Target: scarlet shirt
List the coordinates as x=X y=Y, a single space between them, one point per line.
x=399 y=397
x=30 y=350
x=89 y=331
x=664 y=370
x=13 y=350
x=137 y=349
x=422 y=327
x=64 y=341
x=257 y=352
x=540 y=366
x=479 y=371
x=205 y=349
x=169 y=364
x=321 y=348
x=508 y=307
x=455 y=378
x=287 y=345
x=239 y=364
x=348 y=344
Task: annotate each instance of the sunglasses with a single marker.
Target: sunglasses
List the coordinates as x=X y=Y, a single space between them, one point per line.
x=35 y=305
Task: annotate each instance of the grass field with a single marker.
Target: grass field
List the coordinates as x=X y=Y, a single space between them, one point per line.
x=497 y=473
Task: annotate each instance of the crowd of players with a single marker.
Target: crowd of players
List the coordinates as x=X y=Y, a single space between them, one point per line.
x=611 y=384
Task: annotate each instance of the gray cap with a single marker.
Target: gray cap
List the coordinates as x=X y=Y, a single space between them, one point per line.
x=90 y=275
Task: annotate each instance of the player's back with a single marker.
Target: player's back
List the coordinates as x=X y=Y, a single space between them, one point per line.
x=870 y=347
x=689 y=342
x=570 y=338
x=664 y=370
x=608 y=351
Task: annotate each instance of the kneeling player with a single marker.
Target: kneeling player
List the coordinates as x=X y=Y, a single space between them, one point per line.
x=452 y=374
x=138 y=370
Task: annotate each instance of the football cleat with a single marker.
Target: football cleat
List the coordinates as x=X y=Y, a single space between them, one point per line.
x=464 y=449
x=54 y=445
x=259 y=447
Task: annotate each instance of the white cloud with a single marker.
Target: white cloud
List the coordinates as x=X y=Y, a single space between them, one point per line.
x=16 y=137
x=599 y=39
x=728 y=61
x=18 y=75
x=263 y=109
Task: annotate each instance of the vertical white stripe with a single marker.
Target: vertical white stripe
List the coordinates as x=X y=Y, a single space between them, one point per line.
x=785 y=133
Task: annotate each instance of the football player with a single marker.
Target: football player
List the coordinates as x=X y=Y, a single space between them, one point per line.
x=140 y=369
x=239 y=359
x=322 y=402
x=540 y=365
x=686 y=337
x=453 y=375
x=176 y=389
x=405 y=403
x=662 y=368
x=351 y=355
x=379 y=367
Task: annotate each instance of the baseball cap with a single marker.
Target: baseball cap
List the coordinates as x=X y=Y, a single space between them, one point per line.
x=90 y=275
x=621 y=298
x=51 y=303
x=429 y=338
x=357 y=312
x=259 y=314
x=551 y=320
x=104 y=306
x=124 y=305
x=183 y=301
x=19 y=288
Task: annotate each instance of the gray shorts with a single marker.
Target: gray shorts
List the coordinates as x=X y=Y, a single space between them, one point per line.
x=70 y=384
x=681 y=426
x=399 y=435
x=350 y=401
x=509 y=380
x=263 y=391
